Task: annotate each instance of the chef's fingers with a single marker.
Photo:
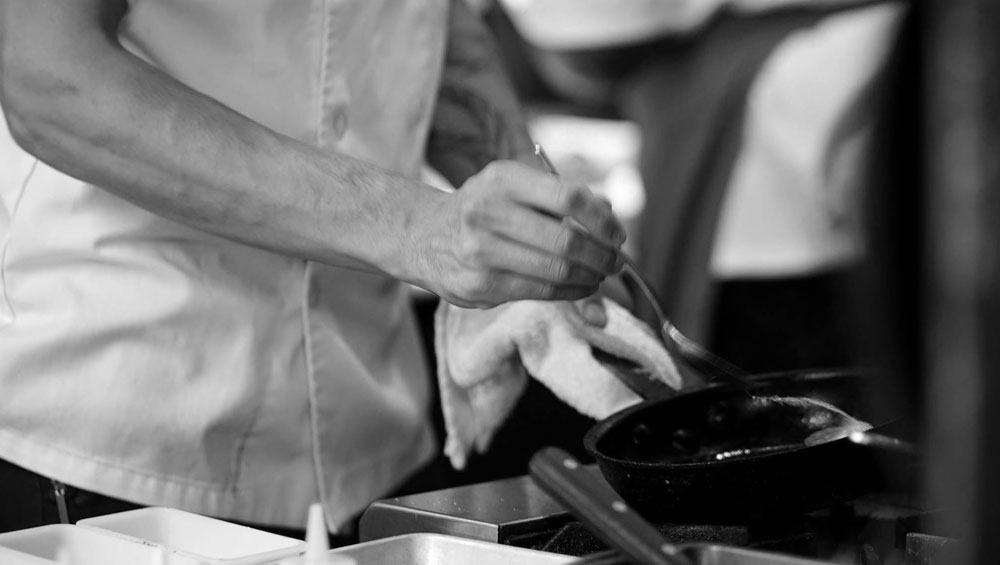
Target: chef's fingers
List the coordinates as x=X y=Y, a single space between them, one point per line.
x=500 y=287
x=614 y=287
x=591 y=213
x=502 y=255
x=499 y=244
x=592 y=311
x=545 y=192
x=554 y=247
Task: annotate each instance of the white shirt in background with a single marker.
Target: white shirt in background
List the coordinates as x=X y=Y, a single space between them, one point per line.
x=793 y=204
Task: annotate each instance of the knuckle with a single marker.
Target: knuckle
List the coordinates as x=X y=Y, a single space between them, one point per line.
x=575 y=198
x=613 y=227
x=565 y=242
x=559 y=269
x=609 y=262
x=475 y=214
x=548 y=292
x=496 y=171
x=471 y=250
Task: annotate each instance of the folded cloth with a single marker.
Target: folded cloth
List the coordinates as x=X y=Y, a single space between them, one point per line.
x=485 y=357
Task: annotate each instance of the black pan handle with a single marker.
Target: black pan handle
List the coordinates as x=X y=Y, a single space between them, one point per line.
x=600 y=509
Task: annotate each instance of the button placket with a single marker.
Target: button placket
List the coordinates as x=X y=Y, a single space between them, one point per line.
x=339 y=121
x=335 y=95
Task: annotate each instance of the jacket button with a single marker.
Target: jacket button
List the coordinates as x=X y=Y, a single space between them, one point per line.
x=339 y=122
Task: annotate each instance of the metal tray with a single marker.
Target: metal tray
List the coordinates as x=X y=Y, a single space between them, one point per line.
x=708 y=554
x=438 y=549
x=724 y=555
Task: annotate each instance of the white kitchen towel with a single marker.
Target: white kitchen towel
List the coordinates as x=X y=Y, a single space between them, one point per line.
x=485 y=357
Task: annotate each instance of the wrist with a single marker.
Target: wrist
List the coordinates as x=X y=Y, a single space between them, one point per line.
x=410 y=253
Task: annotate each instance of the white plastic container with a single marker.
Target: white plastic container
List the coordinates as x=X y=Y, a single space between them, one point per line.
x=207 y=540
x=11 y=557
x=437 y=549
x=67 y=544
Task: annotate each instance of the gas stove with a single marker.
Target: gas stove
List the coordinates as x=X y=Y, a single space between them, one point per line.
x=879 y=529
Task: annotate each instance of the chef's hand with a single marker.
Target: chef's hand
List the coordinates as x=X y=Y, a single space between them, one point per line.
x=508 y=234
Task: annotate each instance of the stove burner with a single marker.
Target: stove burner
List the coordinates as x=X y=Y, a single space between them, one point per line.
x=865 y=532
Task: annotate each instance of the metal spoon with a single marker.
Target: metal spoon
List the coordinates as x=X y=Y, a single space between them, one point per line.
x=840 y=424
x=692 y=353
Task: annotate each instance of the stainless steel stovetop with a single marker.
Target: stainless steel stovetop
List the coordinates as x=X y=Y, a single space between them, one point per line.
x=877 y=530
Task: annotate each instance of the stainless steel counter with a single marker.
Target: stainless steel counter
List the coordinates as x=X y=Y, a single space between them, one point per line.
x=497 y=511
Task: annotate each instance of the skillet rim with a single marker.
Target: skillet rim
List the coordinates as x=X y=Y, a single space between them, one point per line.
x=600 y=428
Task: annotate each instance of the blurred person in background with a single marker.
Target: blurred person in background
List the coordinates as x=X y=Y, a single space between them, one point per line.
x=756 y=118
x=210 y=219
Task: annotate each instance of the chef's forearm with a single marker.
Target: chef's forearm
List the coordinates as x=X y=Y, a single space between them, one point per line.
x=100 y=114
x=478 y=118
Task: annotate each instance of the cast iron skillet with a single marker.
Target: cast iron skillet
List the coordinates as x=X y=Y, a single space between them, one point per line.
x=658 y=454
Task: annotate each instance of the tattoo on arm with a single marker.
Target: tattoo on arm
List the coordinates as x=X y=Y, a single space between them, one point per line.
x=477 y=119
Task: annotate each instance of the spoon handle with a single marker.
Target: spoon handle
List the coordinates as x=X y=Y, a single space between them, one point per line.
x=884 y=442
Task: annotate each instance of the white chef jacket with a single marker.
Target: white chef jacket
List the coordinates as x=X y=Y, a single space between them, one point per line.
x=149 y=361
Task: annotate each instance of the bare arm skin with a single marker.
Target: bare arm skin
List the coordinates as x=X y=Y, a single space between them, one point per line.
x=478 y=120
x=76 y=99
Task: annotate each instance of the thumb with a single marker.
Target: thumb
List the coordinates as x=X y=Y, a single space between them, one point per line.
x=591 y=310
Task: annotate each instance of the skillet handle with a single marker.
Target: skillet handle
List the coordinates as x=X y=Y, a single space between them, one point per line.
x=601 y=510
